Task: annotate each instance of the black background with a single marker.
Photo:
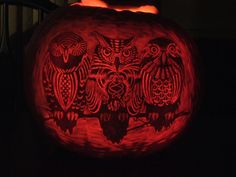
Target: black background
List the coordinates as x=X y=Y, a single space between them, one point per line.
x=207 y=147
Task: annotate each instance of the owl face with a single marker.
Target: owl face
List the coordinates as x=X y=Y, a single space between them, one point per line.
x=66 y=50
x=115 y=52
x=157 y=50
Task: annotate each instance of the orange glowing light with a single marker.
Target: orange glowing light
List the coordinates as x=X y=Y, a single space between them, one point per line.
x=100 y=3
x=94 y=3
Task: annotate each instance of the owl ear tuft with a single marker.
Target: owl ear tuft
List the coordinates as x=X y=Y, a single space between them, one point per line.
x=100 y=38
x=130 y=41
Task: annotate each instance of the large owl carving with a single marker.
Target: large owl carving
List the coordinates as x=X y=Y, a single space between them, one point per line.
x=115 y=65
x=162 y=80
x=64 y=78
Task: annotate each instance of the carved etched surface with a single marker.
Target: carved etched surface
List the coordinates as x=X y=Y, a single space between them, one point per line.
x=115 y=90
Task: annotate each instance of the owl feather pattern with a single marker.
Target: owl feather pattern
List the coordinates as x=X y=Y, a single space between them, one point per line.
x=162 y=80
x=65 y=73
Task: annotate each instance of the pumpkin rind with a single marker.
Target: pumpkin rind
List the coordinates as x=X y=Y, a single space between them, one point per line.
x=101 y=87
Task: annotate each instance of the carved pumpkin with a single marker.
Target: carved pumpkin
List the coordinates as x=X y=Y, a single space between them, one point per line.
x=111 y=83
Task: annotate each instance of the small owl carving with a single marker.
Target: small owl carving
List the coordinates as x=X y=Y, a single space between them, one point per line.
x=64 y=76
x=162 y=78
x=113 y=71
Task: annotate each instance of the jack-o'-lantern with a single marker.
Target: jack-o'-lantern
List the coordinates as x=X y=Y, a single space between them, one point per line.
x=111 y=83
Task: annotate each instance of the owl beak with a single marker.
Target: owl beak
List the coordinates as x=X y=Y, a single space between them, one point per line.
x=163 y=59
x=145 y=54
x=117 y=63
x=65 y=56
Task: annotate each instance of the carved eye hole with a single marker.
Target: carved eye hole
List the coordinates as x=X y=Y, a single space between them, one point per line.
x=55 y=50
x=126 y=53
x=154 y=49
x=173 y=50
x=74 y=45
x=106 y=52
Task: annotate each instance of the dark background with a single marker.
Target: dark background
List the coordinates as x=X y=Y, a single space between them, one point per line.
x=207 y=147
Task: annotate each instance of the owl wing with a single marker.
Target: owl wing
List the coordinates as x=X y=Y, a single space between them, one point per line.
x=136 y=101
x=93 y=96
x=147 y=74
x=83 y=72
x=47 y=81
x=48 y=70
x=176 y=73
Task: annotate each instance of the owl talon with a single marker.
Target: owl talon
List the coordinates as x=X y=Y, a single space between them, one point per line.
x=72 y=116
x=76 y=116
x=68 y=115
x=153 y=116
x=169 y=116
x=58 y=115
x=157 y=121
x=68 y=131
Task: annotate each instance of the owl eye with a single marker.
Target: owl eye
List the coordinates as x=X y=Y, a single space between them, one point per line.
x=154 y=49
x=126 y=53
x=55 y=50
x=74 y=45
x=106 y=52
x=173 y=50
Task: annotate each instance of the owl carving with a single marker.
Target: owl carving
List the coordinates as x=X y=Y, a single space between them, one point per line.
x=162 y=78
x=65 y=73
x=109 y=87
